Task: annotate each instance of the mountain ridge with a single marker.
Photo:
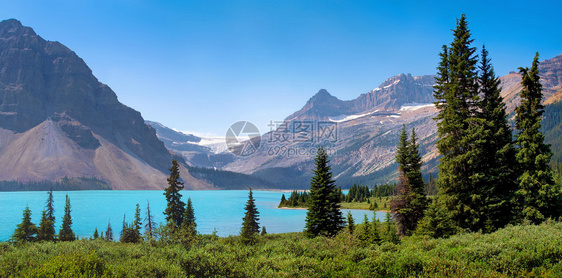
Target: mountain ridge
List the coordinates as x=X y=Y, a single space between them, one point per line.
x=57 y=120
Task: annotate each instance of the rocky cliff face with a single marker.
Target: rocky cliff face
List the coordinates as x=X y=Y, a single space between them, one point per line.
x=389 y=96
x=52 y=105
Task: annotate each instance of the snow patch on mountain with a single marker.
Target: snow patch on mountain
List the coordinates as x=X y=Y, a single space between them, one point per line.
x=345 y=118
x=415 y=106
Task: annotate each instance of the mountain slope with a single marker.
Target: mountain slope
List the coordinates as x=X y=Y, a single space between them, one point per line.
x=57 y=120
x=367 y=130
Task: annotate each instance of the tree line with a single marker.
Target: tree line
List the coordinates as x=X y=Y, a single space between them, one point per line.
x=180 y=225
x=486 y=178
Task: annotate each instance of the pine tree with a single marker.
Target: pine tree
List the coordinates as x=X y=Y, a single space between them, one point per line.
x=350 y=222
x=109 y=232
x=365 y=232
x=250 y=226
x=149 y=220
x=66 y=233
x=175 y=208
x=26 y=230
x=411 y=202
x=189 y=226
x=390 y=233
x=537 y=195
x=437 y=221
x=46 y=231
x=324 y=216
x=123 y=228
x=497 y=181
x=96 y=233
x=263 y=231
x=460 y=131
x=137 y=224
x=375 y=233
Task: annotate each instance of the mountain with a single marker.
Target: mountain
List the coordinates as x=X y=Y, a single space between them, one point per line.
x=57 y=120
x=189 y=146
x=366 y=130
x=389 y=96
x=360 y=135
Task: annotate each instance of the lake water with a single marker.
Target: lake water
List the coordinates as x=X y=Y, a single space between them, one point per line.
x=222 y=210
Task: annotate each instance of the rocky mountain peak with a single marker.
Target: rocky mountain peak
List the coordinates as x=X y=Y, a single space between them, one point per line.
x=43 y=83
x=13 y=27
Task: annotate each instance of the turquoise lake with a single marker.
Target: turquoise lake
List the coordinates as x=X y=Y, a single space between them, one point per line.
x=222 y=210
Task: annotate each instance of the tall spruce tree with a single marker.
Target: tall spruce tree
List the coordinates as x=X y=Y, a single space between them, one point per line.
x=537 y=195
x=189 y=226
x=324 y=216
x=26 y=230
x=149 y=220
x=46 y=231
x=175 y=208
x=497 y=183
x=137 y=224
x=66 y=233
x=250 y=225
x=460 y=131
x=109 y=232
x=350 y=223
x=411 y=202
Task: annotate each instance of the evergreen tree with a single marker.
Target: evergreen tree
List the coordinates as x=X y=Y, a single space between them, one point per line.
x=350 y=222
x=324 y=216
x=411 y=202
x=66 y=233
x=109 y=232
x=96 y=233
x=365 y=233
x=375 y=233
x=250 y=226
x=263 y=231
x=437 y=221
x=123 y=228
x=537 y=195
x=137 y=224
x=497 y=181
x=175 y=208
x=26 y=230
x=189 y=226
x=149 y=220
x=460 y=130
x=390 y=233
x=46 y=231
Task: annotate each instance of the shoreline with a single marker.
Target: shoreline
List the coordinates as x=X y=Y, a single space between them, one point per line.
x=340 y=208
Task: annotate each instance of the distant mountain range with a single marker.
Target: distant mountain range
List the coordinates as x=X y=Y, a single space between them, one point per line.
x=367 y=131
x=57 y=121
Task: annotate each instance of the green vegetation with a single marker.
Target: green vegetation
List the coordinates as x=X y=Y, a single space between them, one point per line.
x=297 y=199
x=411 y=201
x=250 y=225
x=175 y=208
x=537 y=196
x=476 y=179
x=486 y=180
x=26 y=230
x=323 y=216
x=515 y=251
x=46 y=229
x=358 y=197
x=64 y=184
x=66 y=233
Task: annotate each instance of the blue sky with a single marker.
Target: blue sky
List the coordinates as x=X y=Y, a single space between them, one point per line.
x=203 y=65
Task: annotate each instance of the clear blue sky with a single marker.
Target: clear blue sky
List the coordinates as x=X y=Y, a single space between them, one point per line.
x=202 y=65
